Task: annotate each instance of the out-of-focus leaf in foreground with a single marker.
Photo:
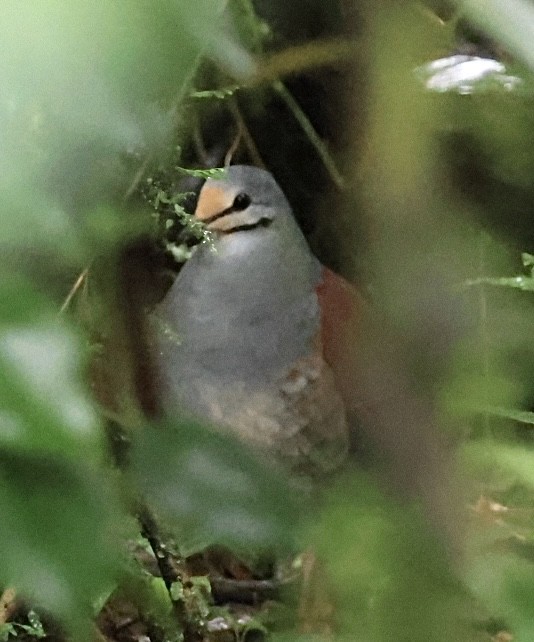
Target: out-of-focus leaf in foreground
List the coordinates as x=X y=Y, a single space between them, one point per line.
x=56 y=535
x=44 y=408
x=505 y=583
x=90 y=93
x=500 y=570
x=508 y=21
x=392 y=578
x=56 y=511
x=89 y=90
x=213 y=489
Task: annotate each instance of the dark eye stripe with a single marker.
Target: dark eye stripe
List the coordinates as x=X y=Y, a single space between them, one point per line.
x=262 y=222
x=241 y=202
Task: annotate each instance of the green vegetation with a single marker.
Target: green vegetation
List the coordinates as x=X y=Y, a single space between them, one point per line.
x=421 y=192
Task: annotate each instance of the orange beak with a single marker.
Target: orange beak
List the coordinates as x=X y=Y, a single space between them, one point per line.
x=212 y=200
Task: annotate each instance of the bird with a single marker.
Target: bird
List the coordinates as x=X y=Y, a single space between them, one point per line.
x=257 y=338
x=248 y=330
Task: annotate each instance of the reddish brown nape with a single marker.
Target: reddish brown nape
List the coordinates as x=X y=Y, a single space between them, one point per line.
x=212 y=200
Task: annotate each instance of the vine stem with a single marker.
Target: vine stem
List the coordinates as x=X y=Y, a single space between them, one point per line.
x=310 y=132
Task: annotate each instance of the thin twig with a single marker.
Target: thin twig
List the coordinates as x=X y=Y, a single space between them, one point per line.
x=234 y=146
x=137 y=178
x=169 y=574
x=288 y=62
x=248 y=140
x=312 y=55
x=310 y=132
x=76 y=286
x=198 y=141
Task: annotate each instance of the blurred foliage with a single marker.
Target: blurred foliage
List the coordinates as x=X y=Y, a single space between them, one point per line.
x=218 y=492
x=410 y=170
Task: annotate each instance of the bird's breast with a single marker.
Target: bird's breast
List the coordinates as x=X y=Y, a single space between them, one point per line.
x=225 y=342
x=240 y=320
x=243 y=350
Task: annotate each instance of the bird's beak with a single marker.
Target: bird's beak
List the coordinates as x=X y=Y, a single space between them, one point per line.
x=213 y=199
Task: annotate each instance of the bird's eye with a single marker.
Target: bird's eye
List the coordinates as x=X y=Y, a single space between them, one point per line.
x=241 y=202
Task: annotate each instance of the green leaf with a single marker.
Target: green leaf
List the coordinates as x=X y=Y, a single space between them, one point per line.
x=6 y=631
x=212 y=488
x=45 y=409
x=521 y=416
x=56 y=534
x=56 y=507
x=504 y=584
x=35 y=627
x=500 y=460
x=20 y=301
x=391 y=575
x=216 y=172
x=192 y=224
x=75 y=135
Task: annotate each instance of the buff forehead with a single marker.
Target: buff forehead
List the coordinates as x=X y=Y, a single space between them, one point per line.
x=214 y=198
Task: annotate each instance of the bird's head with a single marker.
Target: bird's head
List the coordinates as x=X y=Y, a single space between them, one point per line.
x=246 y=199
x=258 y=244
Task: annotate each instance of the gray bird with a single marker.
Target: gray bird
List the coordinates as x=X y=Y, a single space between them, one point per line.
x=242 y=331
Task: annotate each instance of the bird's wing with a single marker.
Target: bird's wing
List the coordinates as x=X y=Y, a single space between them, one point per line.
x=320 y=439
x=342 y=314
x=389 y=414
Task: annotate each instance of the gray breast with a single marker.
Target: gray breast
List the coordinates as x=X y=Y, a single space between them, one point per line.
x=236 y=318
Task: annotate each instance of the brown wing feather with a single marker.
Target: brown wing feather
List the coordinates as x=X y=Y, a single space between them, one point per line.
x=342 y=312
x=299 y=420
x=311 y=396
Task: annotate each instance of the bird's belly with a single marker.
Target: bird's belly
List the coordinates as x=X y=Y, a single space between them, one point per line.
x=296 y=417
x=259 y=376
